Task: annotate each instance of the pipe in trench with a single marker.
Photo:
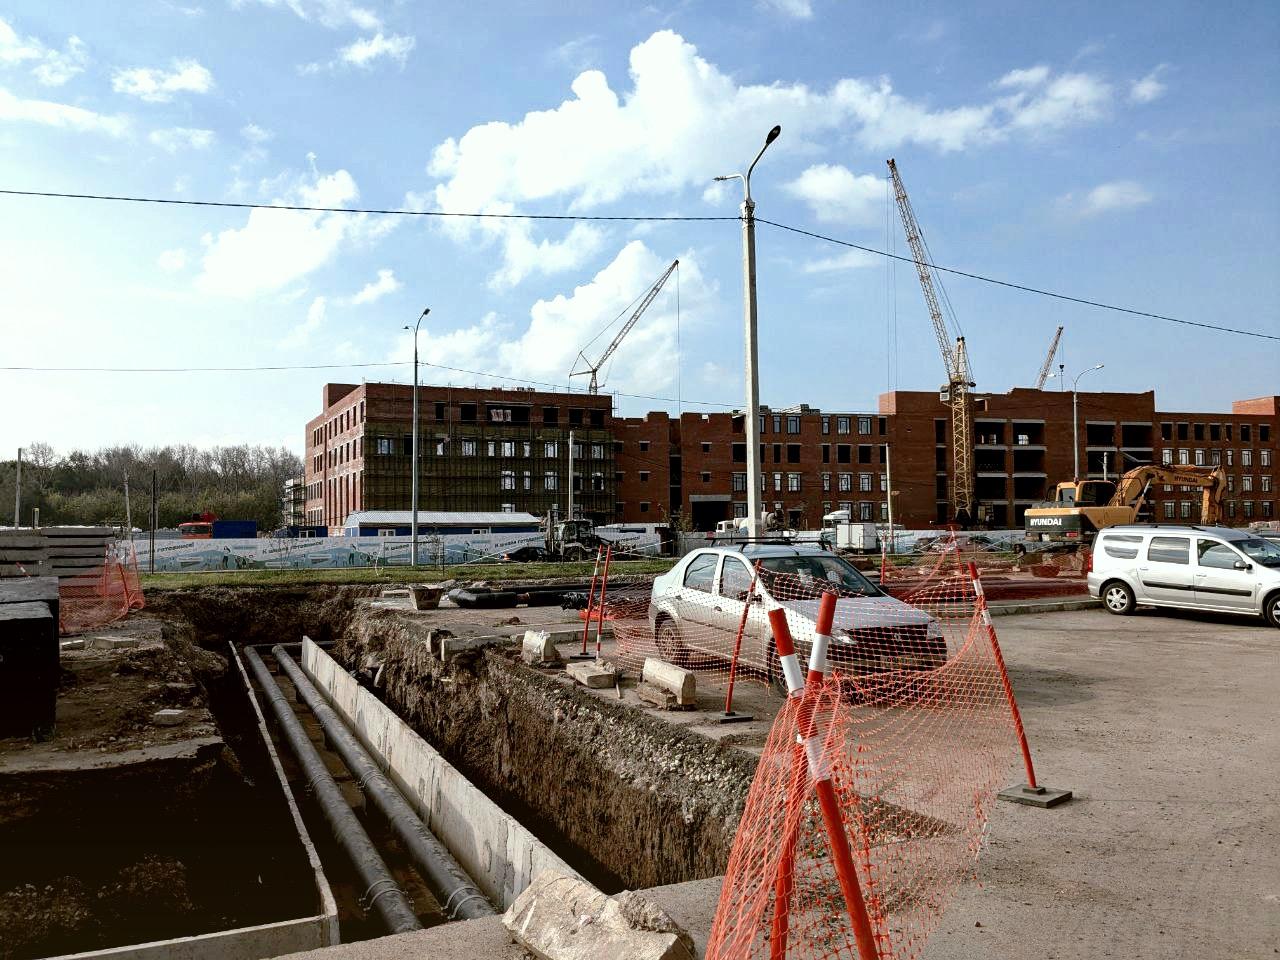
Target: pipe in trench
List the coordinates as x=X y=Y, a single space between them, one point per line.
x=448 y=881
x=381 y=890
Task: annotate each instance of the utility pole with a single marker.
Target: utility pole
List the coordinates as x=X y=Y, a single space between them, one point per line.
x=1075 y=420
x=155 y=522
x=888 y=475
x=570 y=514
x=414 y=445
x=750 y=420
x=17 y=493
x=128 y=512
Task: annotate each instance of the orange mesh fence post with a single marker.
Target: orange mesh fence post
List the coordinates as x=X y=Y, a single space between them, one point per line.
x=751 y=597
x=604 y=589
x=591 y=592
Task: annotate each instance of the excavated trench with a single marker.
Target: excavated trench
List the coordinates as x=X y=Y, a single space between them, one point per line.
x=178 y=848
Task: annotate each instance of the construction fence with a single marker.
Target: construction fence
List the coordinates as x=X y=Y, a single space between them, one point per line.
x=103 y=595
x=872 y=795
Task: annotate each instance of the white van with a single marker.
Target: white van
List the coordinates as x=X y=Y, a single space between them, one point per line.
x=1197 y=568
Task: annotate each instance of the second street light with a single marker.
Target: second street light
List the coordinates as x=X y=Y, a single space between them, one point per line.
x=414 y=448
x=1075 y=418
x=750 y=420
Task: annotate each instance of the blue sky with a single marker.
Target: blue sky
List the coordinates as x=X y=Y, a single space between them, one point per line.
x=1094 y=149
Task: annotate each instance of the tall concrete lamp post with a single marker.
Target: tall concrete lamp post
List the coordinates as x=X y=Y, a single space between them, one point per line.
x=1075 y=418
x=750 y=421
x=414 y=448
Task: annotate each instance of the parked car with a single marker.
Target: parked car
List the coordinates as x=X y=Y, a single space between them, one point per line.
x=696 y=607
x=1197 y=568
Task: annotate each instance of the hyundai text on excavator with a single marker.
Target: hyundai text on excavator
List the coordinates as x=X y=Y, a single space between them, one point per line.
x=1080 y=508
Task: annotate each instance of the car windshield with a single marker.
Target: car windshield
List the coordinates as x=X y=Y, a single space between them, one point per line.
x=1260 y=551
x=808 y=574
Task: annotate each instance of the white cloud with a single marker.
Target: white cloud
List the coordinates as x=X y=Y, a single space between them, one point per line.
x=547 y=348
x=51 y=114
x=155 y=85
x=329 y=13
x=255 y=134
x=275 y=248
x=377 y=289
x=1105 y=198
x=51 y=67
x=1149 y=87
x=365 y=51
x=580 y=53
x=1029 y=77
x=849 y=260
x=799 y=9
x=173 y=139
x=171 y=261
x=682 y=119
x=300 y=335
x=837 y=195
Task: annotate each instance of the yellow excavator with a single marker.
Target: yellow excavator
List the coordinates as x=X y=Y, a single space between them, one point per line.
x=1080 y=508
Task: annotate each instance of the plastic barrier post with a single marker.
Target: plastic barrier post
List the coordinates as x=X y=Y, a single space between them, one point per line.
x=1030 y=793
x=811 y=751
x=586 y=619
x=729 y=716
x=604 y=588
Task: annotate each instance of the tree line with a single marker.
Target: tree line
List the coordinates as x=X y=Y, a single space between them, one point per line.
x=87 y=487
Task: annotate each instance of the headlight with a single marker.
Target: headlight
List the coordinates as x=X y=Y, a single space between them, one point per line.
x=933 y=631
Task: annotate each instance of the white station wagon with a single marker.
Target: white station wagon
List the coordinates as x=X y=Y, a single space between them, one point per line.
x=1197 y=568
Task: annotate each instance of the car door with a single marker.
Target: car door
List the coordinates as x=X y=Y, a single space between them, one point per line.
x=731 y=593
x=1165 y=571
x=1218 y=583
x=697 y=598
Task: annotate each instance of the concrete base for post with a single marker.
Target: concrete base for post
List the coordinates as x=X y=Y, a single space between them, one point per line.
x=732 y=716
x=1034 y=796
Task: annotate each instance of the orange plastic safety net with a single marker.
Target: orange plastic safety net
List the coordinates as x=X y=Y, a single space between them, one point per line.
x=105 y=595
x=915 y=739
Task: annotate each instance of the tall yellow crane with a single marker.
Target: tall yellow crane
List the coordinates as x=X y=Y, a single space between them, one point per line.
x=1048 y=360
x=955 y=392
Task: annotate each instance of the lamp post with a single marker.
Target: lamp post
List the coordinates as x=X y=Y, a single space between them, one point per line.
x=750 y=424
x=1075 y=417
x=414 y=447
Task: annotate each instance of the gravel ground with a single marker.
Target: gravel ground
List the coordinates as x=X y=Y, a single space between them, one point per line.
x=1164 y=725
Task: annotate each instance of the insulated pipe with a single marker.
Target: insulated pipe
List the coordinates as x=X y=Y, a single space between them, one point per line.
x=448 y=881
x=380 y=888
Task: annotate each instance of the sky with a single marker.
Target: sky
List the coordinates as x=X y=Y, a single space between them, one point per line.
x=1090 y=149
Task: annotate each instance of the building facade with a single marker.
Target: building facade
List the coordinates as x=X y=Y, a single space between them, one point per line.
x=492 y=449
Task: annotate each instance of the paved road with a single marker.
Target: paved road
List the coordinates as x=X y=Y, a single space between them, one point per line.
x=1165 y=726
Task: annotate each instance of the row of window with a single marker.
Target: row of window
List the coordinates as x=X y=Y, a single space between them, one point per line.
x=338 y=423
x=1213 y=458
x=505 y=413
x=507 y=480
x=1246 y=484
x=1213 y=431
x=792 y=423
x=470 y=447
x=1182 y=509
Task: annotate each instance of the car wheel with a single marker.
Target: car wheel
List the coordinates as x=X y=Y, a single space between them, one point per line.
x=1118 y=598
x=1271 y=609
x=670 y=646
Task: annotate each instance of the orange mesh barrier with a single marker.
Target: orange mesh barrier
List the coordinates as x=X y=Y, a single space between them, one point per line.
x=104 y=596
x=912 y=731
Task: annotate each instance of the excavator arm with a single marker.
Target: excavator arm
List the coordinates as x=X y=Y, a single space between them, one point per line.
x=1134 y=486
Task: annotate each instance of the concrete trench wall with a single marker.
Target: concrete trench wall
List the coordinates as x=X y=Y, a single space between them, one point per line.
x=499 y=853
x=650 y=803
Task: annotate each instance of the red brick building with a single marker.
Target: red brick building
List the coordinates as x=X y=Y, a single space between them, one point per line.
x=491 y=449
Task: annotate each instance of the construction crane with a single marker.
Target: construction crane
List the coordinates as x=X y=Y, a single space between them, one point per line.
x=1048 y=360
x=955 y=392
x=594 y=369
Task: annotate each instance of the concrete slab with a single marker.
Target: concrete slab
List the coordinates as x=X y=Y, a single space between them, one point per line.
x=597 y=675
x=1034 y=797
x=538 y=649
x=667 y=676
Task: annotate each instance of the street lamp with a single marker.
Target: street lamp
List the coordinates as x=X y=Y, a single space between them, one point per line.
x=1075 y=416
x=750 y=420
x=414 y=449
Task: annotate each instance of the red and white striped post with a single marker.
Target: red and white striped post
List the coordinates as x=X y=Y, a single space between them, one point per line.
x=604 y=588
x=729 y=716
x=586 y=618
x=819 y=770
x=1031 y=792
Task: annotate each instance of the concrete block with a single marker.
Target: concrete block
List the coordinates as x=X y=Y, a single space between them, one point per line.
x=667 y=676
x=112 y=643
x=538 y=648
x=72 y=644
x=599 y=675
x=426 y=598
x=1037 y=797
x=168 y=718
x=559 y=917
x=450 y=646
x=661 y=698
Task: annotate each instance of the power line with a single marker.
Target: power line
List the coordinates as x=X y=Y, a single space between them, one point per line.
x=1023 y=287
x=397 y=212
x=557 y=387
